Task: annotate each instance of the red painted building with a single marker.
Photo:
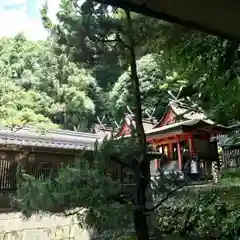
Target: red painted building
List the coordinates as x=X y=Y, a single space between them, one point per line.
x=179 y=135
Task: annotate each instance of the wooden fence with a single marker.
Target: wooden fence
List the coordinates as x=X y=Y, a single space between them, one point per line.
x=231 y=156
x=8 y=172
x=45 y=170
x=7 y=177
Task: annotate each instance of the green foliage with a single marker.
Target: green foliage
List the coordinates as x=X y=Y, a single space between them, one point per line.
x=37 y=86
x=118 y=150
x=211 y=65
x=204 y=214
x=154 y=80
x=85 y=190
x=76 y=187
x=231 y=173
x=230 y=177
x=96 y=37
x=74 y=72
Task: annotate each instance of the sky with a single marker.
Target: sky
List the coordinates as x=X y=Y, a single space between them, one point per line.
x=24 y=16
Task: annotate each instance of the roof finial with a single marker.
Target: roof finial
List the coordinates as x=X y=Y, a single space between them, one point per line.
x=101 y=121
x=173 y=97
x=150 y=112
x=129 y=110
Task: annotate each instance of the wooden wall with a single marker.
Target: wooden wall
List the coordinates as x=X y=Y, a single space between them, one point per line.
x=231 y=156
x=46 y=164
x=35 y=163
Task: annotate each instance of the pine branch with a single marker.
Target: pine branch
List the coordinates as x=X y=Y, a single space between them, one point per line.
x=163 y=200
x=125 y=165
x=122 y=199
x=73 y=213
x=118 y=39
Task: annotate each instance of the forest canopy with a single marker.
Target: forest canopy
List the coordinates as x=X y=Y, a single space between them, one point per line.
x=78 y=73
x=101 y=61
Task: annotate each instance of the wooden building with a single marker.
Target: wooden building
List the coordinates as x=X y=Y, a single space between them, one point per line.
x=229 y=147
x=39 y=152
x=129 y=122
x=180 y=135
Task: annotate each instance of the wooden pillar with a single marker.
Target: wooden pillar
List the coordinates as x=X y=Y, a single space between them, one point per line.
x=170 y=152
x=179 y=156
x=157 y=161
x=191 y=146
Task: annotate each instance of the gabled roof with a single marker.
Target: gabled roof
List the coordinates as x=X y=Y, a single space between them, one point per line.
x=180 y=126
x=57 y=139
x=104 y=130
x=184 y=126
x=129 y=121
x=181 y=111
x=191 y=112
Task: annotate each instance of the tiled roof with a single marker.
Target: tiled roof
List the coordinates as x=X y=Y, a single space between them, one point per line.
x=62 y=139
x=173 y=126
x=226 y=140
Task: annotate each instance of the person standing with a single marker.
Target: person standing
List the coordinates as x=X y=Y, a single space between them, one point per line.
x=194 y=168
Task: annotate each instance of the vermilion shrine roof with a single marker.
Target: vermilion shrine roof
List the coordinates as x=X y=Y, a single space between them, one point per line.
x=186 y=126
x=125 y=129
x=178 y=110
x=177 y=118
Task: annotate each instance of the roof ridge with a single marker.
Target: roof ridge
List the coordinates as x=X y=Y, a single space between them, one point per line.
x=53 y=131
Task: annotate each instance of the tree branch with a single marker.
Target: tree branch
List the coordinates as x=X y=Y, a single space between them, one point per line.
x=125 y=165
x=118 y=39
x=73 y=213
x=163 y=200
x=122 y=199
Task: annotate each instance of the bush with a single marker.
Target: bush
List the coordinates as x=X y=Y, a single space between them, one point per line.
x=204 y=215
x=231 y=176
x=231 y=173
x=124 y=234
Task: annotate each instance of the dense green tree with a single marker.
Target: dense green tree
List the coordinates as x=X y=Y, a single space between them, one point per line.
x=45 y=84
x=155 y=81
x=99 y=202
x=95 y=36
x=90 y=34
x=20 y=107
x=211 y=65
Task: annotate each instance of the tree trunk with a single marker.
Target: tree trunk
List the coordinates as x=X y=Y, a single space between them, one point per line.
x=143 y=166
x=140 y=225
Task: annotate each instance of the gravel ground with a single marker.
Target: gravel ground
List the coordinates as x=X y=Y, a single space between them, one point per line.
x=13 y=226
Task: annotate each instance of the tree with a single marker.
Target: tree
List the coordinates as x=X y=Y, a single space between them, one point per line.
x=155 y=80
x=19 y=107
x=99 y=26
x=93 y=34
x=39 y=82
x=88 y=192
x=211 y=66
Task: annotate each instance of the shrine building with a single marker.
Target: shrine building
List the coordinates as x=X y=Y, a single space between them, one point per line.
x=181 y=134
